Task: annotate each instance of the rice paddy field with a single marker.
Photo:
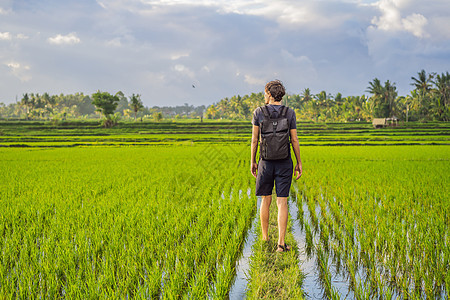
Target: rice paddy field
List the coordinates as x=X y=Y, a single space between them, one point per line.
x=167 y=211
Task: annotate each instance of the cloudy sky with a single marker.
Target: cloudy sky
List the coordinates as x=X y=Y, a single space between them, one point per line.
x=160 y=48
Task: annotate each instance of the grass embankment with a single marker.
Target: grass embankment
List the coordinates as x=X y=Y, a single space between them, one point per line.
x=77 y=133
x=274 y=275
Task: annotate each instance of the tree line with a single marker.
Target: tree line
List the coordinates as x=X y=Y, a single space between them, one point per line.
x=98 y=105
x=427 y=101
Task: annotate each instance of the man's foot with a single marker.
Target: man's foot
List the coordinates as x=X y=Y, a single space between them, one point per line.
x=283 y=248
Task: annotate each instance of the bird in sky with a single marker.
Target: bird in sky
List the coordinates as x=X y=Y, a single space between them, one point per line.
x=193 y=86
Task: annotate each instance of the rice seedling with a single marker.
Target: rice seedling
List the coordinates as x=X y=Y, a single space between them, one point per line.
x=169 y=220
x=118 y=222
x=383 y=212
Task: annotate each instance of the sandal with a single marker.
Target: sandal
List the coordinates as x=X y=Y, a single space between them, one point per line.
x=284 y=248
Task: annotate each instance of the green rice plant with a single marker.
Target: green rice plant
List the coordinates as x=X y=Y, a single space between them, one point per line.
x=309 y=247
x=325 y=275
x=106 y=222
x=389 y=212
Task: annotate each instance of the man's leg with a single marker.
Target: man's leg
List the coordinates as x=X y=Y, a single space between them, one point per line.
x=264 y=216
x=282 y=219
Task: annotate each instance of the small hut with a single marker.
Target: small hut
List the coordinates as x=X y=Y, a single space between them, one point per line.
x=379 y=122
x=383 y=122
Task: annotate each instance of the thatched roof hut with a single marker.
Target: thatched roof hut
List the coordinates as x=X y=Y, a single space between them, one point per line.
x=379 y=122
x=383 y=122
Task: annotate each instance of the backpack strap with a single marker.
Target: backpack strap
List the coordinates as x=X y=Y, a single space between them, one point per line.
x=284 y=110
x=265 y=111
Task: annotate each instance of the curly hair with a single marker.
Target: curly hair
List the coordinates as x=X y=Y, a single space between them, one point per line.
x=276 y=89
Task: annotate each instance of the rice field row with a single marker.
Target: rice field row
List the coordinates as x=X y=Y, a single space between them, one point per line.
x=380 y=218
x=170 y=221
x=122 y=222
x=35 y=134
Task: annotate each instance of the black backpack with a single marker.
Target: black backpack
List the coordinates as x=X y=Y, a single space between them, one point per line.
x=275 y=135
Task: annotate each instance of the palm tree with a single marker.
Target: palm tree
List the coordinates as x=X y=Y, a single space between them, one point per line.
x=442 y=84
x=390 y=95
x=383 y=97
x=377 y=91
x=136 y=104
x=422 y=84
x=25 y=102
x=375 y=88
x=306 y=96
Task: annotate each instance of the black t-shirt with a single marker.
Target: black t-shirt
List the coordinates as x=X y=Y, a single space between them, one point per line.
x=258 y=115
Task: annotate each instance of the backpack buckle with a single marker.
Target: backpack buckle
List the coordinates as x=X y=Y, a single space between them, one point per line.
x=275 y=123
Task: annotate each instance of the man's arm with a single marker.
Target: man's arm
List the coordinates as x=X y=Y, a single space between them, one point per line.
x=295 y=145
x=254 y=149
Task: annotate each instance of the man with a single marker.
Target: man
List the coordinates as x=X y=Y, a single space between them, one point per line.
x=279 y=171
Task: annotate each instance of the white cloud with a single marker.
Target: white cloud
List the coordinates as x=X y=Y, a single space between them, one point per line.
x=19 y=70
x=415 y=24
x=184 y=70
x=288 y=13
x=391 y=19
x=225 y=47
x=3 y=11
x=5 y=36
x=177 y=56
x=252 y=80
x=69 y=39
x=101 y=4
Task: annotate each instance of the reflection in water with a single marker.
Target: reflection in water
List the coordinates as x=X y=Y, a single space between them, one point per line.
x=239 y=287
x=311 y=284
x=309 y=265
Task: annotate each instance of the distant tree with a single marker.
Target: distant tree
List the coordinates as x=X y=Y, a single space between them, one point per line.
x=85 y=106
x=390 y=95
x=25 y=102
x=375 y=88
x=300 y=101
x=442 y=83
x=211 y=112
x=441 y=97
x=383 y=98
x=306 y=96
x=123 y=102
x=136 y=104
x=106 y=104
x=422 y=84
x=157 y=116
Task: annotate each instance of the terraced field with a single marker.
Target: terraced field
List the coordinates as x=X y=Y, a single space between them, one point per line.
x=76 y=133
x=164 y=210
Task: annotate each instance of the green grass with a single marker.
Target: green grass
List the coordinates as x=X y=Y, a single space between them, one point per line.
x=90 y=133
x=274 y=275
x=121 y=222
x=383 y=212
x=151 y=210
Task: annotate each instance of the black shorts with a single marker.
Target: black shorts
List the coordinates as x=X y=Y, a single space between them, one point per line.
x=279 y=171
